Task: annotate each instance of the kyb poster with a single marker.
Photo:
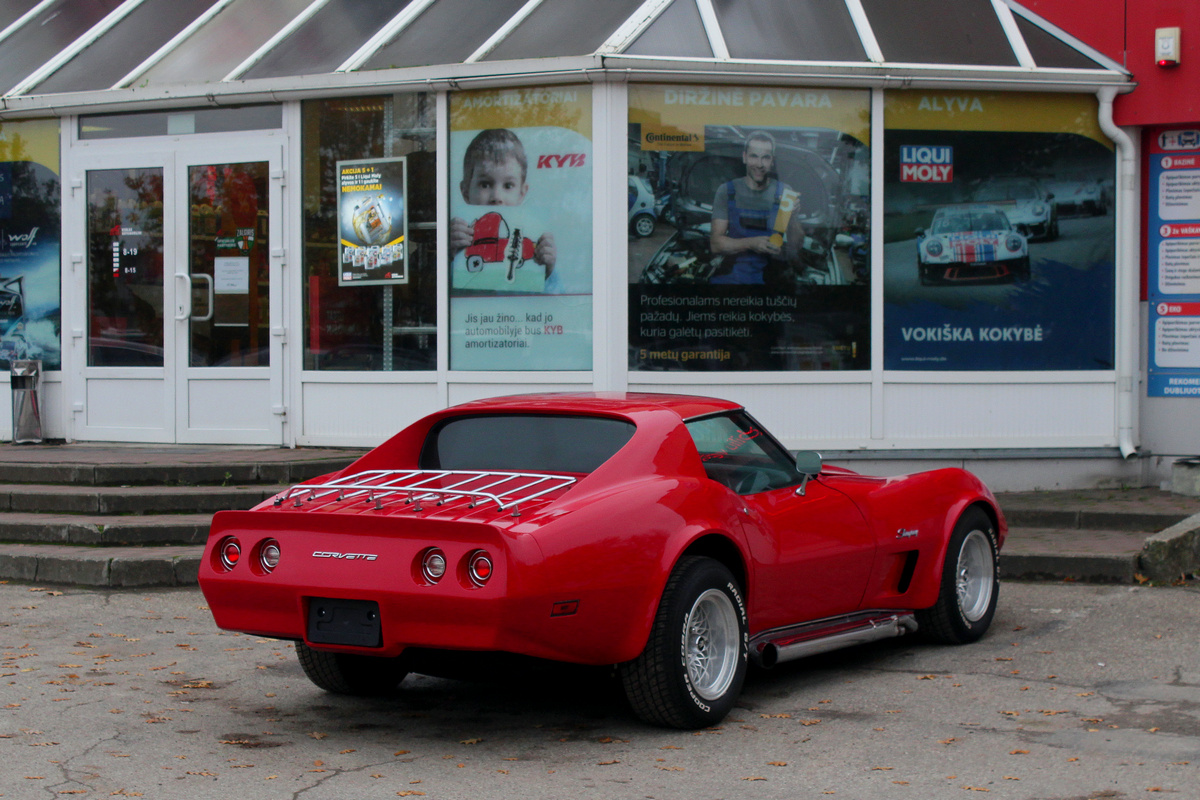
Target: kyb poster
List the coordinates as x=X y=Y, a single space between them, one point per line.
x=372 y=222
x=521 y=229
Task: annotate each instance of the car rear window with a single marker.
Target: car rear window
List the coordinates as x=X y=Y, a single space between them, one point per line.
x=524 y=442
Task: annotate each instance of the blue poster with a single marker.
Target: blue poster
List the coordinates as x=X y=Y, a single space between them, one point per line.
x=1173 y=264
x=998 y=242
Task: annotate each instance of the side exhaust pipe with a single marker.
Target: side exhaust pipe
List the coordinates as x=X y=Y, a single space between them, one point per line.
x=776 y=647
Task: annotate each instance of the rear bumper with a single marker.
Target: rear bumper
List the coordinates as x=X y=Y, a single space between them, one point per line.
x=526 y=607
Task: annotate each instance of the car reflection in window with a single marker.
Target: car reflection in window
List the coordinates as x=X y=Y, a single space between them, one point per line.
x=738 y=453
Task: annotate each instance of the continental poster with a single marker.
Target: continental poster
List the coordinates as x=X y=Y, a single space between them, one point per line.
x=521 y=229
x=998 y=232
x=372 y=222
x=30 y=212
x=749 y=228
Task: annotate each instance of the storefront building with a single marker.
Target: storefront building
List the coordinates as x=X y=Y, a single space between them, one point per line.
x=230 y=222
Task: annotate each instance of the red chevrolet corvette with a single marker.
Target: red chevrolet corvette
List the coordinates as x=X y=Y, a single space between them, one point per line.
x=669 y=535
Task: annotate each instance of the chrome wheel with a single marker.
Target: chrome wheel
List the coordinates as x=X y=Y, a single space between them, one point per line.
x=712 y=644
x=975 y=576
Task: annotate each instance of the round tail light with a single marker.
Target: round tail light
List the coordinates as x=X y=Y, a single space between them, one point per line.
x=230 y=551
x=268 y=555
x=433 y=565
x=479 y=567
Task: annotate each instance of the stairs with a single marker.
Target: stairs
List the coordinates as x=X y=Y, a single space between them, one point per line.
x=1098 y=536
x=126 y=516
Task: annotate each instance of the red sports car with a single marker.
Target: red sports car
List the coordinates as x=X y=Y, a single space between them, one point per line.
x=669 y=535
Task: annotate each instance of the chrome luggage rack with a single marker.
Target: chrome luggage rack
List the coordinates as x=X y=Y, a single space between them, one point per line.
x=505 y=489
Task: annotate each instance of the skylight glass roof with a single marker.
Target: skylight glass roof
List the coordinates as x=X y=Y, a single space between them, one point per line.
x=229 y=47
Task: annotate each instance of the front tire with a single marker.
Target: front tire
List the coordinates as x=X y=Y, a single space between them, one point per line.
x=346 y=673
x=970 y=583
x=692 y=670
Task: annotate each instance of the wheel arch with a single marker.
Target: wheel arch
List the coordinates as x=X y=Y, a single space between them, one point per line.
x=724 y=550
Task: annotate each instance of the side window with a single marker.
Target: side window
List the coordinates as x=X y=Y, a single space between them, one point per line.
x=739 y=454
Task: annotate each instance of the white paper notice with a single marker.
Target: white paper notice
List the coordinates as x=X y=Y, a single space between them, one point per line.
x=1177 y=343
x=231 y=275
x=1179 y=266
x=1179 y=194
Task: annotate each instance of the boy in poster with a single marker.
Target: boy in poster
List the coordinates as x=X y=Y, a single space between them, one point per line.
x=495 y=172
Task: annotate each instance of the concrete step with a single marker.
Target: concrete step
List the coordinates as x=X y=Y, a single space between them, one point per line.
x=115 y=567
x=1117 y=519
x=1078 y=554
x=133 y=468
x=104 y=531
x=56 y=499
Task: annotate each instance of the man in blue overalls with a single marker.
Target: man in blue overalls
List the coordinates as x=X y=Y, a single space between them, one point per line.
x=743 y=215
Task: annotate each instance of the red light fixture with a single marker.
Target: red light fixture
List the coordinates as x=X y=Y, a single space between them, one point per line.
x=1166 y=47
x=230 y=551
x=479 y=567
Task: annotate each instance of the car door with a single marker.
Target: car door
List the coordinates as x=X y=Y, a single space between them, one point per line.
x=812 y=547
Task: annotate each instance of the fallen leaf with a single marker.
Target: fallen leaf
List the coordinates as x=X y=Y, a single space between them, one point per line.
x=757 y=778
x=470 y=741
x=409 y=793
x=777 y=763
x=976 y=789
x=1018 y=752
x=318 y=736
x=609 y=763
x=776 y=716
x=882 y=769
x=947 y=741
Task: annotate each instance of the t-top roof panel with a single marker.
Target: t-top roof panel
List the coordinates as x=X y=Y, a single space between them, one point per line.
x=45 y=35
x=678 y=31
x=121 y=48
x=789 y=30
x=447 y=32
x=965 y=32
x=564 y=28
x=229 y=38
x=327 y=39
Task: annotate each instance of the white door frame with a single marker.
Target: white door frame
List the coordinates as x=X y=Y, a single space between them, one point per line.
x=153 y=404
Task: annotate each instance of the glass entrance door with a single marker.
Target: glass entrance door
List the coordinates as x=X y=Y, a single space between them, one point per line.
x=184 y=333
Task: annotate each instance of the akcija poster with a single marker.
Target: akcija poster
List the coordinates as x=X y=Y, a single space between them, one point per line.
x=372 y=222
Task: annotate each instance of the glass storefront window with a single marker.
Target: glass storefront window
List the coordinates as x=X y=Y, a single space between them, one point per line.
x=998 y=232
x=749 y=228
x=30 y=221
x=379 y=314
x=521 y=229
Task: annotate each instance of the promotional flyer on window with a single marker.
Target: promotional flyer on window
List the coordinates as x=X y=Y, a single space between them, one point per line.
x=748 y=228
x=998 y=233
x=521 y=229
x=372 y=222
x=30 y=294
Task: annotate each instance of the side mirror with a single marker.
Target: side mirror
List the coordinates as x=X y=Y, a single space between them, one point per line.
x=808 y=463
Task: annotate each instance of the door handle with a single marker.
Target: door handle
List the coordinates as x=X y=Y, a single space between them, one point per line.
x=183 y=304
x=209 y=282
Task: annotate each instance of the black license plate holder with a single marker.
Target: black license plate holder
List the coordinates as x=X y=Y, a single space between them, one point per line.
x=345 y=622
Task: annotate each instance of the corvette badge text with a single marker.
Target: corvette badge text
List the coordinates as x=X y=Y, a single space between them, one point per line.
x=345 y=556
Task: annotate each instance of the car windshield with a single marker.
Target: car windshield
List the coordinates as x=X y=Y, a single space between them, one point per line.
x=524 y=442
x=737 y=452
x=971 y=221
x=1008 y=190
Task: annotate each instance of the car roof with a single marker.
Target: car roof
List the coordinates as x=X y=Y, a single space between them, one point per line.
x=615 y=403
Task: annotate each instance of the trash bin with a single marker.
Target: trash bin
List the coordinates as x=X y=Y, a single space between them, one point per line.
x=27 y=402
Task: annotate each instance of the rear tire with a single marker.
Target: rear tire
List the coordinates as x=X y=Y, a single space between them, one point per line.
x=346 y=673
x=691 y=672
x=970 y=583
